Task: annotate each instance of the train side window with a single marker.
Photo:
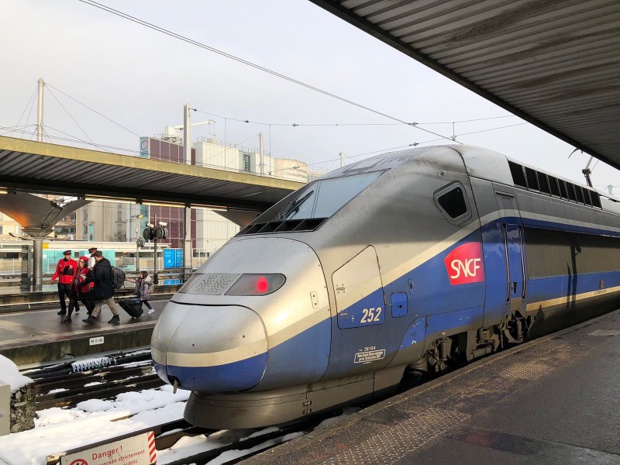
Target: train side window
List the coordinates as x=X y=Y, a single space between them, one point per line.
x=532 y=179
x=579 y=192
x=543 y=180
x=587 y=197
x=453 y=203
x=563 y=190
x=554 y=186
x=571 y=192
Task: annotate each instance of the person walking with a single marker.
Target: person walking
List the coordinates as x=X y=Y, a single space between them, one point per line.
x=91 y=259
x=103 y=290
x=80 y=290
x=65 y=270
x=143 y=289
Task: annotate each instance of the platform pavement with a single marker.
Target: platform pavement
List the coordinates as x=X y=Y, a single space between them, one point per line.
x=555 y=401
x=37 y=336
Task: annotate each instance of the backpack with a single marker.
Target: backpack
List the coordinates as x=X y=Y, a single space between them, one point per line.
x=118 y=277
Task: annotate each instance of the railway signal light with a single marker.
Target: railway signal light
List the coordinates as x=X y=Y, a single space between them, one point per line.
x=158 y=232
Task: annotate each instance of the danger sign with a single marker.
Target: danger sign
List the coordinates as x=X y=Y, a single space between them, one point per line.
x=136 y=450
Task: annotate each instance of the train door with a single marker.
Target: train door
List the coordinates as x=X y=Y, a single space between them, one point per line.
x=512 y=232
x=364 y=335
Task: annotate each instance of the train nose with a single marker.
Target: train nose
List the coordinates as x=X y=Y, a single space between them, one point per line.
x=210 y=348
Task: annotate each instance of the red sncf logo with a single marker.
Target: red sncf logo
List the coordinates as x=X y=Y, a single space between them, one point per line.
x=464 y=264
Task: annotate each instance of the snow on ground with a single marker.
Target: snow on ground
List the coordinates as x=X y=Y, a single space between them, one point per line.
x=59 y=430
x=9 y=374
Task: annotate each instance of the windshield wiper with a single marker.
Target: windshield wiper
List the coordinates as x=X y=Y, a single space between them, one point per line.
x=293 y=207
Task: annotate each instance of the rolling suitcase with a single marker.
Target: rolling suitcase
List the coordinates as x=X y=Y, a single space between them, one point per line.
x=132 y=305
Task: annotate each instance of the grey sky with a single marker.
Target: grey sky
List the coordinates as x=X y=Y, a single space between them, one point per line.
x=140 y=79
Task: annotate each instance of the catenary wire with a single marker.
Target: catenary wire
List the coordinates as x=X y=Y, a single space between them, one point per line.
x=249 y=63
x=93 y=110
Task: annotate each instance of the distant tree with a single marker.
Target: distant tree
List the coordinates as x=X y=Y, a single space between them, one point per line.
x=118 y=237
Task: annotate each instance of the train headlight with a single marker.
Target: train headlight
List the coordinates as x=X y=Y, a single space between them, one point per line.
x=257 y=284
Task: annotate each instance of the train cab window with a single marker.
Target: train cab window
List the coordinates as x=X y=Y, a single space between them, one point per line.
x=452 y=202
x=320 y=199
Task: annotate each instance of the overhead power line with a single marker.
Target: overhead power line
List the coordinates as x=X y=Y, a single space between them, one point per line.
x=253 y=65
x=91 y=109
x=295 y=125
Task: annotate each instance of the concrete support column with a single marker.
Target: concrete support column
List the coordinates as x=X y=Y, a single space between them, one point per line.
x=37 y=265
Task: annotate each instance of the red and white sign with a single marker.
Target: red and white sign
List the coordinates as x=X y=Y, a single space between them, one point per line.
x=136 y=450
x=464 y=264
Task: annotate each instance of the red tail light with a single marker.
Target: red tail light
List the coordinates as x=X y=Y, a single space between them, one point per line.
x=257 y=284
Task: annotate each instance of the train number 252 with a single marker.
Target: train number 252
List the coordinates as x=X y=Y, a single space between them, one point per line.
x=371 y=315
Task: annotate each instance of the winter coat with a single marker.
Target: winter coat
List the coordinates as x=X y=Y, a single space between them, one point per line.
x=102 y=277
x=80 y=285
x=143 y=287
x=65 y=271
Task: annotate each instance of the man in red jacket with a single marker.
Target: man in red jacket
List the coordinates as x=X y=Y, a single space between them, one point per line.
x=65 y=271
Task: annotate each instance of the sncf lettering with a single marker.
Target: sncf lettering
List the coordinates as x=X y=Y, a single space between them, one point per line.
x=464 y=264
x=467 y=268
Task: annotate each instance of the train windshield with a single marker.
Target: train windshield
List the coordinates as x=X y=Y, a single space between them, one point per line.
x=320 y=199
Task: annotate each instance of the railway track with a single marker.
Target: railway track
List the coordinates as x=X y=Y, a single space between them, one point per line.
x=68 y=383
x=250 y=442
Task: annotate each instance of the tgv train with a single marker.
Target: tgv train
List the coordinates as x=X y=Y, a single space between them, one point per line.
x=398 y=263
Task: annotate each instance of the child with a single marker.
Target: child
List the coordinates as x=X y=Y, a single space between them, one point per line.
x=143 y=289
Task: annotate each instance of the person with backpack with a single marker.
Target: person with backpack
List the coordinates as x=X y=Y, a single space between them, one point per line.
x=103 y=291
x=65 y=270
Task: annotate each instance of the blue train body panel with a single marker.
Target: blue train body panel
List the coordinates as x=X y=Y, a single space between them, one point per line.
x=231 y=377
x=304 y=356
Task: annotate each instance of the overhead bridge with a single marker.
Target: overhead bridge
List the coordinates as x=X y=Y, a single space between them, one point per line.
x=93 y=175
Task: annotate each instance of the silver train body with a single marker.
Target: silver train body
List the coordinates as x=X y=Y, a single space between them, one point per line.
x=400 y=262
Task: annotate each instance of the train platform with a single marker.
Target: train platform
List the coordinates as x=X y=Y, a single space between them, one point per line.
x=32 y=337
x=553 y=401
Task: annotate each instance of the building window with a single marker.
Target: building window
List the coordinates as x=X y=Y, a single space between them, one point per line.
x=119 y=215
x=247 y=167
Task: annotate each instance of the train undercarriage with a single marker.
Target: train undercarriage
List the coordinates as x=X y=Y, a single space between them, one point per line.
x=452 y=351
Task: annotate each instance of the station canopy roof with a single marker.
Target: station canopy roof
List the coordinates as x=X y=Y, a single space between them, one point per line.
x=68 y=171
x=554 y=63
